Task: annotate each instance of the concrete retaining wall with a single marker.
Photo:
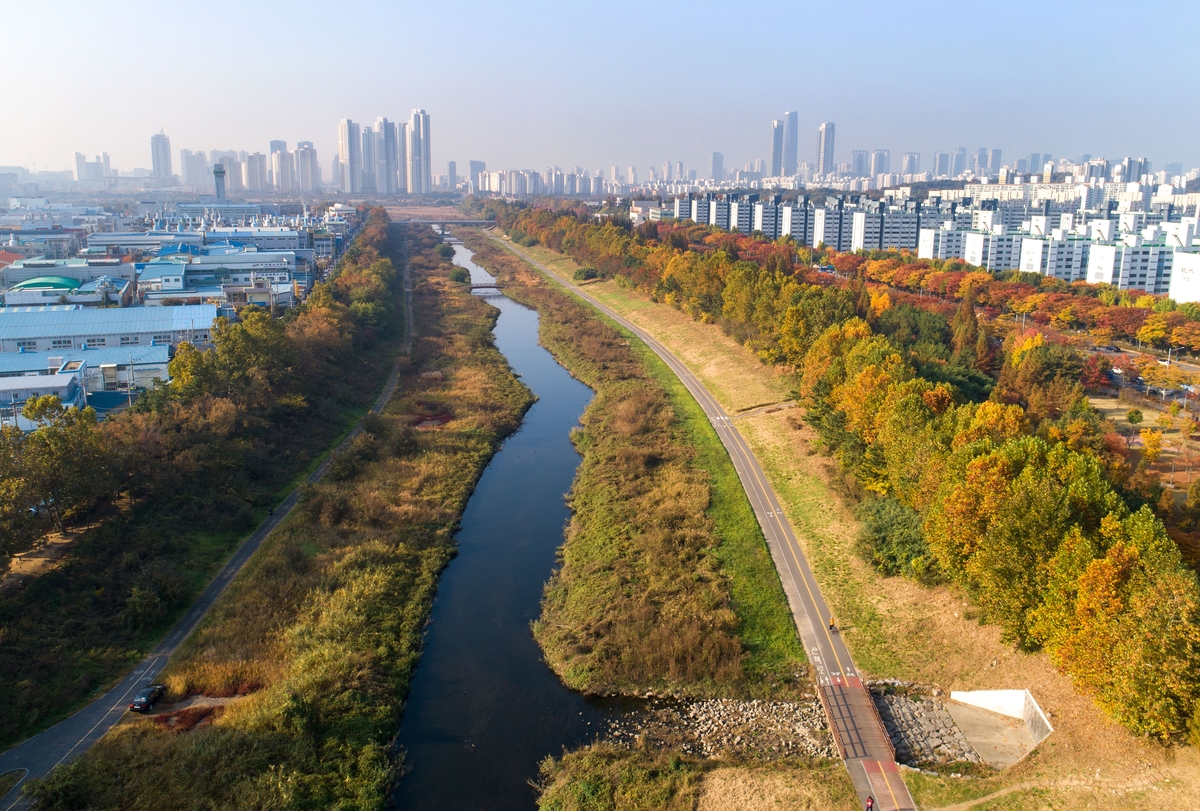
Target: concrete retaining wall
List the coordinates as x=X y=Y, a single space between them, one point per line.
x=1014 y=704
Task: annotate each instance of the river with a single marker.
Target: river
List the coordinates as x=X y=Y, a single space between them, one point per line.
x=484 y=708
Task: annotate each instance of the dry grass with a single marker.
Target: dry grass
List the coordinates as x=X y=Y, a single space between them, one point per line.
x=782 y=787
x=324 y=625
x=899 y=629
x=644 y=598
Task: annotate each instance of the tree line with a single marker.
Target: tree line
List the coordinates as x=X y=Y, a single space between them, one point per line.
x=983 y=463
x=171 y=484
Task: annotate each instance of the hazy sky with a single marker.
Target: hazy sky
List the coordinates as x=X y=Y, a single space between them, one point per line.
x=529 y=84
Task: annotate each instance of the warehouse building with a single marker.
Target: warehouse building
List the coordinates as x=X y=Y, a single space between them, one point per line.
x=71 y=326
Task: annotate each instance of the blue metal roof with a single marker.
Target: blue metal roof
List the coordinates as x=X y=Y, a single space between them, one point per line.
x=14 y=362
x=62 y=321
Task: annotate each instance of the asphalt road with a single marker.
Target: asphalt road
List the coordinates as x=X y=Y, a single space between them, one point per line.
x=70 y=738
x=858 y=730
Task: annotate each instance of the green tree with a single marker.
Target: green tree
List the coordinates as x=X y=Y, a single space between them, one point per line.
x=1134 y=416
x=66 y=459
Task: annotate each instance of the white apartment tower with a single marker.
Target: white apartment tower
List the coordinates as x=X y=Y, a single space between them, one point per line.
x=777 y=148
x=349 y=157
x=791 y=142
x=825 y=164
x=386 y=154
x=420 y=174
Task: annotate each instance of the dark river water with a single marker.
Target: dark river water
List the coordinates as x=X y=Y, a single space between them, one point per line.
x=484 y=708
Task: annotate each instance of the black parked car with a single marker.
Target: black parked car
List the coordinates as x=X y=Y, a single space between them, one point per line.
x=146 y=697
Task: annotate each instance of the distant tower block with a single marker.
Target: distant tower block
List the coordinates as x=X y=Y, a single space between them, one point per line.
x=219 y=179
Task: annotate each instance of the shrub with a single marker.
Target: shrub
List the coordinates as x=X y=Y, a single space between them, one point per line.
x=460 y=275
x=585 y=274
x=892 y=541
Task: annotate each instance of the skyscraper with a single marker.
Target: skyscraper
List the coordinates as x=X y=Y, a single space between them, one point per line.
x=308 y=170
x=960 y=162
x=350 y=157
x=386 y=152
x=254 y=172
x=825 y=165
x=160 y=156
x=881 y=162
x=402 y=159
x=941 y=164
x=476 y=168
x=994 y=160
x=776 y=148
x=368 y=161
x=420 y=173
x=452 y=175
x=860 y=162
x=911 y=163
x=791 y=143
x=718 y=167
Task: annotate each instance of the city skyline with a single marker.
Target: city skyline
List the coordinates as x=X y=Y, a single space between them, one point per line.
x=920 y=100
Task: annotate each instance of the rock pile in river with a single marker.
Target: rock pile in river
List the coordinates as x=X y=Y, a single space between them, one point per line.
x=716 y=728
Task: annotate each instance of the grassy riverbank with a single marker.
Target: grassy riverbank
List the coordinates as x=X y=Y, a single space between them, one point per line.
x=600 y=778
x=297 y=678
x=192 y=475
x=895 y=627
x=665 y=581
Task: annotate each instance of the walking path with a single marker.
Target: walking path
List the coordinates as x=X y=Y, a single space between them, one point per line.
x=70 y=738
x=858 y=731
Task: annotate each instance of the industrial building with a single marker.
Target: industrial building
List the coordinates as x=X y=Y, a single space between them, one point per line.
x=71 y=326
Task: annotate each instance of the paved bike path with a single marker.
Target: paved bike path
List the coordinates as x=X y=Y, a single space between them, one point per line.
x=858 y=731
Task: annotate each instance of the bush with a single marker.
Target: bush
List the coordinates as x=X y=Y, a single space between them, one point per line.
x=460 y=275
x=584 y=274
x=445 y=251
x=891 y=539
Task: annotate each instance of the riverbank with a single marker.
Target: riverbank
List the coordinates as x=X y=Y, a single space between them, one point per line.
x=669 y=752
x=666 y=585
x=321 y=632
x=899 y=629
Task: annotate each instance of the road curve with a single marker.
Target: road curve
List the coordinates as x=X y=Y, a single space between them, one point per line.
x=861 y=738
x=73 y=736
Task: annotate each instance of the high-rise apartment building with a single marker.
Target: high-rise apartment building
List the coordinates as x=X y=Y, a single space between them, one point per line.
x=718 y=166
x=881 y=162
x=402 y=159
x=307 y=168
x=960 y=162
x=860 y=162
x=452 y=175
x=386 y=153
x=911 y=163
x=99 y=168
x=994 y=160
x=476 y=169
x=791 y=143
x=941 y=164
x=160 y=156
x=283 y=171
x=368 y=161
x=254 y=172
x=349 y=157
x=277 y=146
x=194 y=168
x=777 y=148
x=825 y=164
x=420 y=172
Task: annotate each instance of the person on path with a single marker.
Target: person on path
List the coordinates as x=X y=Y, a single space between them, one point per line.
x=870 y=803
x=832 y=626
